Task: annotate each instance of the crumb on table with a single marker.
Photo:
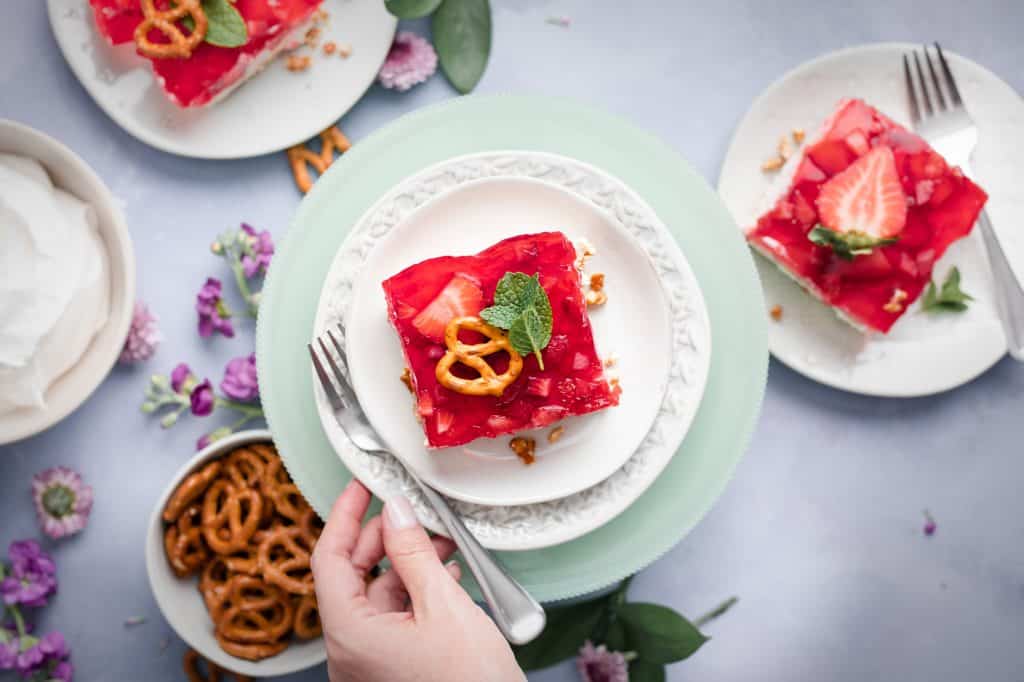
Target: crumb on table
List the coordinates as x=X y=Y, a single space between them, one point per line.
x=525 y=449
x=312 y=37
x=783 y=149
x=798 y=135
x=776 y=313
x=597 y=295
x=555 y=434
x=329 y=47
x=895 y=304
x=297 y=62
x=773 y=164
x=344 y=50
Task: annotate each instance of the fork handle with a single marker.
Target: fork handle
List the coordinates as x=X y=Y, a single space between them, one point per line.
x=516 y=613
x=1008 y=291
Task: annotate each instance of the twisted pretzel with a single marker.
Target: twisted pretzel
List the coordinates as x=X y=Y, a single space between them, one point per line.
x=180 y=46
x=228 y=523
x=472 y=355
x=190 y=490
x=214 y=581
x=186 y=552
x=214 y=672
x=251 y=652
x=257 y=626
x=245 y=468
x=284 y=560
x=285 y=495
x=307 y=618
x=302 y=157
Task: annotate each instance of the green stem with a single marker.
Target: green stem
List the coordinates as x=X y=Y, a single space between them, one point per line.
x=243 y=286
x=19 y=620
x=716 y=612
x=250 y=411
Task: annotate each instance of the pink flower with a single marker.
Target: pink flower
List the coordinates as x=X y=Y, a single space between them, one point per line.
x=182 y=378
x=63 y=501
x=597 y=664
x=201 y=399
x=239 y=382
x=214 y=315
x=32 y=578
x=258 y=250
x=143 y=336
x=411 y=60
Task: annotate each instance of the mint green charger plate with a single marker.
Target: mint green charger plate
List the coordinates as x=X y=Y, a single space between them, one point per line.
x=721 y=431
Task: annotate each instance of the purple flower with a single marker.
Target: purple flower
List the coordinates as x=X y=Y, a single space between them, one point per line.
x=8 y=652
x=203 y=441
x=180 y=376
x=143 y=336
x=597 y=664
x=214 y=315
x=239 y=382
x=201 y=399
x=410 y=60
x=63 y=671
x=47 y=655
x=63 y=501
x=929 y=524
x=259 y=247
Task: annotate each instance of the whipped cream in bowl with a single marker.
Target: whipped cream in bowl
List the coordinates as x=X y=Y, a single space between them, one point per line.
x=67 y=281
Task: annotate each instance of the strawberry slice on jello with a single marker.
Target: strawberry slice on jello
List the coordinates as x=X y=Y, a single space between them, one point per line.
x=461 y=296
x=866 y=198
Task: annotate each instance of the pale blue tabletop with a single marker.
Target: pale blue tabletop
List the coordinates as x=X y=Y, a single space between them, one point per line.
x=820 y=532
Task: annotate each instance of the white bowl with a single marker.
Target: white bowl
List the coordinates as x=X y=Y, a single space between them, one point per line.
x=72 y=174
x=179 y=598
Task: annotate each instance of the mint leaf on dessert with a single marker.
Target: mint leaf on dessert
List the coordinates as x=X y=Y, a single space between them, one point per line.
x=950 y=298
x=847 y=245
x=226 y=27
x=522 y=308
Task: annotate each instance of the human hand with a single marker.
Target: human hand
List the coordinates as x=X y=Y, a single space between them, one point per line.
x=414 y=623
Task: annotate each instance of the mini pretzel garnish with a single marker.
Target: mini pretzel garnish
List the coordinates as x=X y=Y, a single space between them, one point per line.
x=472 y=355
x=213 y=581
x=179 y=45
x=214 y=673
x=288 y=501
x=230 y=517
x=245 y=468
x=186 y=552
x=190 y=490
x=284 y=561
x=257 y=625
x=302 y=157
x=307 y=618
x=250 y=652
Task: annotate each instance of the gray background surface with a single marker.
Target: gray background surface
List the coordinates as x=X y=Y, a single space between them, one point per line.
x=820 y=532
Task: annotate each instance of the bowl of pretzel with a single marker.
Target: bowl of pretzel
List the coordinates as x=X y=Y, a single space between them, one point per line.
x=227 y=552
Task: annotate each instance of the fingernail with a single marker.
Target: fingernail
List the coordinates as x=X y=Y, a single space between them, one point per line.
x=399 y=514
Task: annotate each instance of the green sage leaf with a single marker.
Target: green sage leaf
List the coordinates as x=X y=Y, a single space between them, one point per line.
x=566 y=630
x=658 y=634
x=462 y=38
x=411 y=9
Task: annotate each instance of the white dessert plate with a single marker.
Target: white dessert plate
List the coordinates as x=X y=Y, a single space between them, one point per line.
x=69 y=172
x=179 y=598
x=275 y=109
x=654 y=323
x=922 y=354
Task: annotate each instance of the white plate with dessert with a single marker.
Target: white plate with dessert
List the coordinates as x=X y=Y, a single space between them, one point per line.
x=265 y=76
x=871 y=324
x=442 y=243
x=67 y=293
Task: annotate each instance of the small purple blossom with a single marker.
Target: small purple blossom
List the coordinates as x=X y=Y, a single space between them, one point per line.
x=214 y=315
x=259 y=248
x=410 y=60
x=180 y=376
x=47 y=655
x=203 y=441
x=63 y=501
x=33 y=576
x=201 y=400
x=240 y=382
x=929 y=524
x=143 y=336
x=9 y=652
x=597 y=664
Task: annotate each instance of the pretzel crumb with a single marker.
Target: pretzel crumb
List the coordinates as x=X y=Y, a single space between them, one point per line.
x=312 y=37
x=344 y=50
x=597 y=281
x=407 y=380
x=610 y=361
x=895 y=304
x=798 y=135
x=329 y=47
x=773 y=164
x=297 y=62
x=555 y=434
x=524 y=449
x=776 y=313
x=321 y=16
x=596 y=298
x=783 y=148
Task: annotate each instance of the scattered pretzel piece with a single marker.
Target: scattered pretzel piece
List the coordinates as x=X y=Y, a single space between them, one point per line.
x=773 y=164
x=179 y=45
x=776 y=313
x=472 y=355
x=524 y=449
x=296 y=62
x=302 y=157
x=556 y=434
x=329 y=47
x=407 y=380
x=798 y=135
x=190 y=490
x=895 y=304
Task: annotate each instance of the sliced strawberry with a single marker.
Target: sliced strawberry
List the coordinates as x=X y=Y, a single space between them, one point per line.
x=867 y=197
x=404 y=310
x=425 y=405
x=548 y=414
x=539 y=386
x=858 y=142
x=462 y=296
x=872 y=265
x=443 y=420
x=831 y=156
x=499 y=423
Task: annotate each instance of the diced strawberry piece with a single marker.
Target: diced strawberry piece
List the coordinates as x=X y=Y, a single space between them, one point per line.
x=580 y=361
x=425 y=405
x=831 y=156
x=923 y=190
x=874 y=265
x=867 y=197
x=500 y=423
x=443 y=420
x=941 y=191
x=858 y=142
x=462 y=296
x=804 y=210
x=539 y=386
x=926 y=165
x=404 y=311
x=547 y=415
x=784 y=209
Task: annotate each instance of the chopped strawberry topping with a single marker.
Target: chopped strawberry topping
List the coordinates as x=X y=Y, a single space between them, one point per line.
x=462 y=296
x=867 y=197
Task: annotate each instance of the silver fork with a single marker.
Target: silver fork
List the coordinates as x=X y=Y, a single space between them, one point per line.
x=516 y=613
x=942 y=120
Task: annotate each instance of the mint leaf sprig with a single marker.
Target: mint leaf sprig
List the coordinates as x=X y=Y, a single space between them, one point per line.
x=847 y=245
x=950 y=298
x=225 y=26
x=521 y=307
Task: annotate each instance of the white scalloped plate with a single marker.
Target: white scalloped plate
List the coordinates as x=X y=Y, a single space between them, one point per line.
x=482 y=199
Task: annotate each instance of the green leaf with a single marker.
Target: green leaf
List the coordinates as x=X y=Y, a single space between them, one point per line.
x=226 y=26
x=501 y=316
x=530 y=334
x=951 y=298
x=567 y=628
x=517 y=290
x=658 y=634
x=645 y=671
x=847 y=245
x=462 y=37
x=411 y=9
x=521 y=306
x=615 y=639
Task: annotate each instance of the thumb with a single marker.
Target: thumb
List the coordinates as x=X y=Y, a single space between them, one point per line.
x=412 y=554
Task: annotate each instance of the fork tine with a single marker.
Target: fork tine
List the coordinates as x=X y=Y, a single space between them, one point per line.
x=330 y=361
x=939 y=97
x=915 y=111
x=954 y=92
x=325 y=381
x=925 y=97
x=343 y=364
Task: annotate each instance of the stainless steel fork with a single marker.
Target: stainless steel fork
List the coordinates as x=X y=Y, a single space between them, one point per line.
x=516 y=613
x=939 y=115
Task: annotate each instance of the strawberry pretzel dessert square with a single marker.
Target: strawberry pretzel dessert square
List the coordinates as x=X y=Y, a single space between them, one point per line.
x=499 y=342
x=869 y=210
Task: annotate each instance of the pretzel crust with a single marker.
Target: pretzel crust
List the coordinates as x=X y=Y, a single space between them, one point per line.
x=166 y=21
x=472 y=355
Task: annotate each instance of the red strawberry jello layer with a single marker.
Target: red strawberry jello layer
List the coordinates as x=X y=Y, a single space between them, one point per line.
x=423 y=298
x=210 y=70
x=889 y=202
